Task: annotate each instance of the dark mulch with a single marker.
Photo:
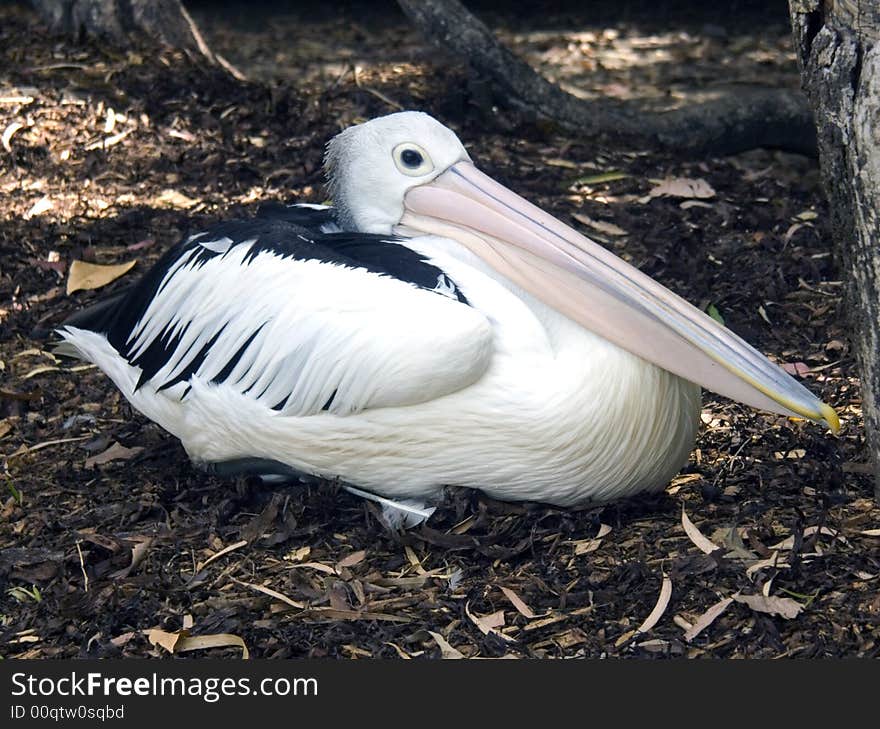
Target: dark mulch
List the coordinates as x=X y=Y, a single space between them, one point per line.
x=95 y=554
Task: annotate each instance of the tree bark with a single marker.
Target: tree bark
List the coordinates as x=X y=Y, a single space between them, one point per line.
x=166 y=21
x=839 y=54
x=745 y=119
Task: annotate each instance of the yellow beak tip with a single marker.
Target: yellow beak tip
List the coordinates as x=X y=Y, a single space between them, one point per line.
x=830 y=417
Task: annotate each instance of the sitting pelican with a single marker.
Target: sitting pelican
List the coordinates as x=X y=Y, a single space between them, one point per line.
x=432 y=328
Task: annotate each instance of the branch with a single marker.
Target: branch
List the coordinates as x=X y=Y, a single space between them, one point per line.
x=737 y=121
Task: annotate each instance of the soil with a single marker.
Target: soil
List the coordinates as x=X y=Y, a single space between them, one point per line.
x=113 y=544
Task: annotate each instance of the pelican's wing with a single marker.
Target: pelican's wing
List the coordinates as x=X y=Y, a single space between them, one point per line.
x=300 y=322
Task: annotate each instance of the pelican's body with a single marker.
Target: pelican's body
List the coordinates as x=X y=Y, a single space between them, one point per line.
x=380 y=344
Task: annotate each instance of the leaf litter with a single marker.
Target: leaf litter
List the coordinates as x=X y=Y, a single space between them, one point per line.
x=582 y=602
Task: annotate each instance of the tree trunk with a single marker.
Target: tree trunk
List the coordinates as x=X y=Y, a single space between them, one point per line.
x=166 y=21
x=839 y=53
x=740 y=120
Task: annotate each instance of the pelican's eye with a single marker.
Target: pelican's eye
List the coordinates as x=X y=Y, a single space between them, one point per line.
x=412 y=160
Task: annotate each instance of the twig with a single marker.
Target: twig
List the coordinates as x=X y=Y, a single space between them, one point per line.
x=82 y=565
x=378 y=94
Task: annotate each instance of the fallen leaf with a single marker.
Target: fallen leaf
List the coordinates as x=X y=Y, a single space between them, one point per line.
x=446 y=650
x=40 y=371
x=712 y=311
x=327 y=569
x=8 y=133
x=788 y=542
x=271 y=593
x=121 y=640
x=115 y=452
x=181 y=641
x=696 y=536
x=487 y=623
x=352 y=559
x=659 y=608
x=797 y=369
x=44 y=204
x=174 y=199
x=600 y=225
x=784 y=607
x=163 y=638
x=89 y=276
x=772 y=561
x=518 y=603
x=557 y=162
x=218 y=640
x=586 y=546
x=226 y=550
x=792 y=229
x=138 y=552
x=688 y=204
x=707 y=618
x=141 y=244
x=682 y=187
x=298 y=555
x=609 y=176
x=108 y=142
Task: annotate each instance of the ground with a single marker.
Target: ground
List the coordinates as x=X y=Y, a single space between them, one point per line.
x=108 y=532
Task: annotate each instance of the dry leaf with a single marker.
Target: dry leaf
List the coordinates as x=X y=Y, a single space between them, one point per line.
x=115 y=452
x=121 y=640
x=696 y=536
x=788 y=542
x=707 y=618
x=683 y=187
x=351 y=560
x=174 y=199
x=271 y=593
x=317 y=566
x=557 y=162
x=8 y=133
x=299 y=554
x=600 y=225
x=796 y=369
x=43 y=205
x=772 y=561
x=784 y=607
x=586 y=546
x=218 y=640
x=414 y=560
x=181 y=642
x=138 y=552
x=659 y=608
x=226 y=550
x=40 y=371
x=93 y=276
x=688 y=204
x=487 y=623
x=163 y=638
x=518 y=603
x=446 y=650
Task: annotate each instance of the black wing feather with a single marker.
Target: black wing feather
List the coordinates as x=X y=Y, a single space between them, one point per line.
x=285 y=231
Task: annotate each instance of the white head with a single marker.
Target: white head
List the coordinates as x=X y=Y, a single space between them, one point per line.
x=371 y=166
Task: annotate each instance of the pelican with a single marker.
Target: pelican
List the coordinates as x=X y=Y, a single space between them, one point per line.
x=431 y=329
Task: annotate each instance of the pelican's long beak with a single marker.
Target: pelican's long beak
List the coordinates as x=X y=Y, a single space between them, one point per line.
x=603 y=293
